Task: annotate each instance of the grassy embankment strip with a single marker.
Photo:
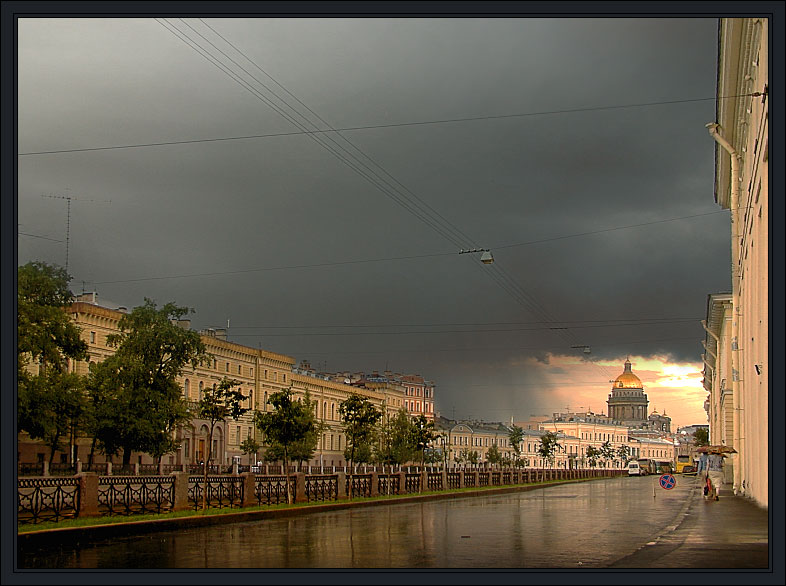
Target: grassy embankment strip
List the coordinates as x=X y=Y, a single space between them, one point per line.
x=120 y=519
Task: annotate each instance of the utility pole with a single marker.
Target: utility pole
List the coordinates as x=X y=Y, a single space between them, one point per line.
x=68 y=198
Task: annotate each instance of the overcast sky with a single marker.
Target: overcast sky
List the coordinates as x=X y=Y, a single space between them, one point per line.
x=568 y=147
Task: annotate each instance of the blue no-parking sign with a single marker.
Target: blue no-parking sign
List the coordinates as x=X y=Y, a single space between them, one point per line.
x=668 y=481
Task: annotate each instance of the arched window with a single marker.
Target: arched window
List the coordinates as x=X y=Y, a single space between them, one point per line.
x=250 y=399
x=324 y=410
x=187 y=388
x=201 y=390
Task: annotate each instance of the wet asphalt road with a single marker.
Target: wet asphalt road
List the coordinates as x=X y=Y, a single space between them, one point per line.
x=579 y=525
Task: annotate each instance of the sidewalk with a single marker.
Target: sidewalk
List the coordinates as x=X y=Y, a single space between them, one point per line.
x=732 y=532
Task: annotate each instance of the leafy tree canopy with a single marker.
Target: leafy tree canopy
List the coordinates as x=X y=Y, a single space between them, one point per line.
x=141 y=402
x=45 y=331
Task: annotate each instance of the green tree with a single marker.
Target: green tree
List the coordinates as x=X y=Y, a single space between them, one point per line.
x=393 y=441
x=51 y=407
x=701 y=437
x=623 y=453
x=424 y=434
x=548 y=447
x=143 y=403
x=249 y=446
x=290 y=422
x=358 y=417
x=302 y=450
x=218 y=403
x=592 y=456
x=45 y=332
x=50 y=400
x=516 y=437
x=494 y=456
x=606 y=451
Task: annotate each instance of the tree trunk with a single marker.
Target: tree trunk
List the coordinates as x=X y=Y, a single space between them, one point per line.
x=286 y=477
x=204 y=467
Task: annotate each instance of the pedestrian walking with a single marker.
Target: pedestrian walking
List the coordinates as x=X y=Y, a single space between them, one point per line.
x=715 y=472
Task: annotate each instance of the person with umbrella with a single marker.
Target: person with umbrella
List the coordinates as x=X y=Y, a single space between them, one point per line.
x=715 y=471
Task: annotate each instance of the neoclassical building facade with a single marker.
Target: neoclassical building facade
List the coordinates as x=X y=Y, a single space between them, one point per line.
x=741 y=345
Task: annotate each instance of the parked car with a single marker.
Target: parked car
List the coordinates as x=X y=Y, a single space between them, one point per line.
x=634 y=469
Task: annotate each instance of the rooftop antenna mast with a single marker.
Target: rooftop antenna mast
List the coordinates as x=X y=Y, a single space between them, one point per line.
x=68 y=198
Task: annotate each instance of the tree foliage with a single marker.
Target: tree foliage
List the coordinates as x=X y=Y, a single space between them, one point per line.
x=623 y=453
x=359 y=418
x=494 y=456
x=548 y=447
x=217 y=404
x=50 y=400
x=516 y=436
x=701 y=437
x=45 y=332
x=592 y=456
x=607 y=452
x=290 y=423
x=139 y=402
x=52 y=407
x=301 y=450
x=394 y=439
x=424 y=434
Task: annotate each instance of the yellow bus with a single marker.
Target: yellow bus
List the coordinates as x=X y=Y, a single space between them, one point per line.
x=685 y=465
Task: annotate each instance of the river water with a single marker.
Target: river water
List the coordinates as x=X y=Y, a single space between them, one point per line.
x=586 y=524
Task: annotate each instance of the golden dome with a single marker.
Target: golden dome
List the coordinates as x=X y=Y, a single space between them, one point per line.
x=627 y=380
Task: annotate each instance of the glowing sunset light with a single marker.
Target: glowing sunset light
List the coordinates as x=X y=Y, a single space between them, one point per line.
x=579 y=384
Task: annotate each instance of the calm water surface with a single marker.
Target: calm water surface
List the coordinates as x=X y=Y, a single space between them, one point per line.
x=592 y=523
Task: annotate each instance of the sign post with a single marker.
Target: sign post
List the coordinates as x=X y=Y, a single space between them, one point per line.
x=668 y=481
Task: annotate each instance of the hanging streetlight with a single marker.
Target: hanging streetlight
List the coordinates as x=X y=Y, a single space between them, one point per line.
x=486 y=258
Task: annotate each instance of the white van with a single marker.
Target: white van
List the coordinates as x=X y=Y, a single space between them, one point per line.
x=634 y=469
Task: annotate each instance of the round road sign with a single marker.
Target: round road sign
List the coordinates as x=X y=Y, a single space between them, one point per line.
x=668 y=481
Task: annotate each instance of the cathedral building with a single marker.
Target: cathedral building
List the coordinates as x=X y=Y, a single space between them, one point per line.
x=627 y=401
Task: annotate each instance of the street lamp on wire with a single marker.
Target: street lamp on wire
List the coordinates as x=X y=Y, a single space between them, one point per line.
x=486 y=258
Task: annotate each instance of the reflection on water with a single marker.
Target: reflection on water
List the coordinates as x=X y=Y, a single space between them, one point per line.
x=555 y=527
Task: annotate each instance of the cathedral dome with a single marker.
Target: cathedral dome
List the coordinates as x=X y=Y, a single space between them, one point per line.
x=627 y=380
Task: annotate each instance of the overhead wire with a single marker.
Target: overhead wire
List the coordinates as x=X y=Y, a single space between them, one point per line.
x=334 y=148
x=369 y=127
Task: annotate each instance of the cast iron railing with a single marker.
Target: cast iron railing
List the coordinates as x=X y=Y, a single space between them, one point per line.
x=47 y=499
x=135 y=495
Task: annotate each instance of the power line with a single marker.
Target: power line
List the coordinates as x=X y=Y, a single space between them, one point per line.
x=467 y=331
x=394 y=258
x=37 y=236
x=375 y=126
x=409 y=349
x=589 y=321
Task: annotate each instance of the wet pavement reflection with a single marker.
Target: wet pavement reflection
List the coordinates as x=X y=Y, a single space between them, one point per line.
x=587 y=524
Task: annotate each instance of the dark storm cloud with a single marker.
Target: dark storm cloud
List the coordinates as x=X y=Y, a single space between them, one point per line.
x=244 y=214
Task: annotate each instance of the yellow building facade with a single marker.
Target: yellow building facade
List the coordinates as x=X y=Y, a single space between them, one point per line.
x=741 y=133
x=260 y=374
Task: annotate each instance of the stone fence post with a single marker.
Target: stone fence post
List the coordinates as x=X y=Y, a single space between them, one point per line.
x=78 y=467
x=136 y=468
x=45 y=469
x=444 y=479
x=109 y=468
x=342 y=485
x=249 y=489
x=300 y=492
x=402 y=482
x=374 y=484
x=461 y=479
x=180 y=497
x=88 y=494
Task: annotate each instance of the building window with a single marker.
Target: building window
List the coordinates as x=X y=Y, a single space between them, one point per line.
x=227 y=367
x=188 y=389
x=239 y=369
x=201 y=389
